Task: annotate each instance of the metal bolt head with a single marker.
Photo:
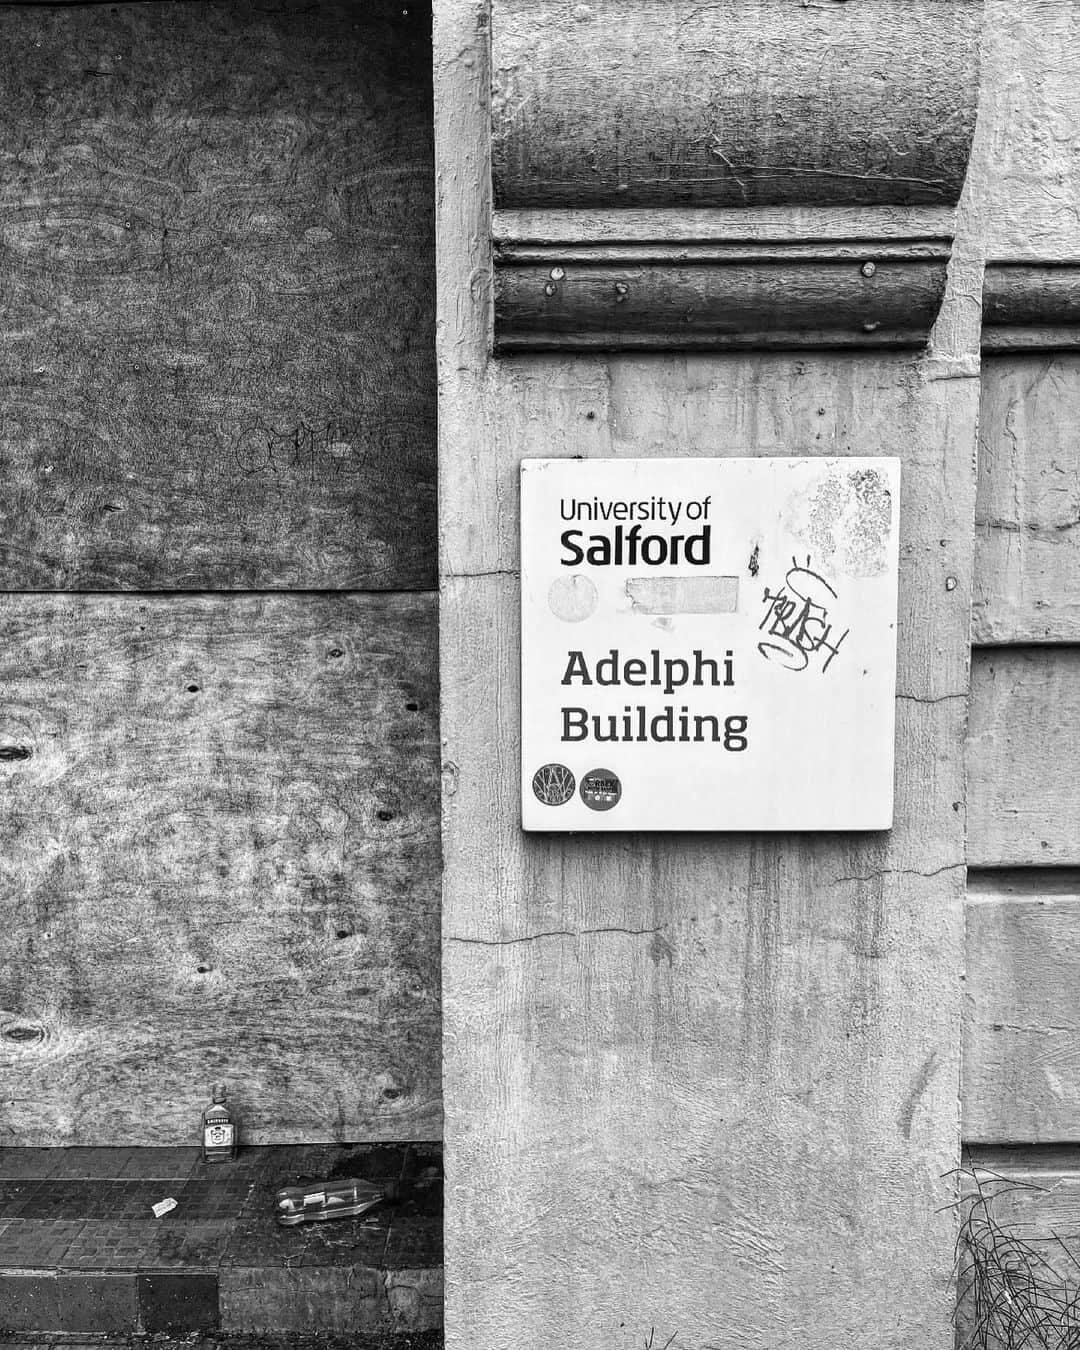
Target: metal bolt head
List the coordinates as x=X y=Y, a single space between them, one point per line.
x=557 y=273
x=550 y=288
x=868 y=269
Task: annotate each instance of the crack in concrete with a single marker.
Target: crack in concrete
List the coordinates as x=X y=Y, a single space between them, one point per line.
x=552 y=932
x=899 y=872
x=940 y=698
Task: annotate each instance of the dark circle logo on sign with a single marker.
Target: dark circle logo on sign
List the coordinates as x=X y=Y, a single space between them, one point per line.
x=553 y=784
x=601 y=790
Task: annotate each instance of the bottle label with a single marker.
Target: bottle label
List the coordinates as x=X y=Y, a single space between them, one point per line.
x=219 y=1134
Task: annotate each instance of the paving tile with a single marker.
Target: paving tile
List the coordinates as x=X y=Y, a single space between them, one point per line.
x=340 y=1300
x=36 y=1163
x=291 y=1164
x=246 y=1162
x=202 y=1199
x=116 y=1245
x=416 y=1298
x=37 y=1244
x=14 y=1194
x=95 y=1302
x=220 y=1248
x=68 y=1341
x=414 y=1242
x=107 y=1198
x=170 y=1301
x=416 y=1229
x=84 y=1163
x=373 y=1162
x=260 y=1241
x=199 y=1245
x=28 y=1302
x=170 y=1164
x=422 y=1194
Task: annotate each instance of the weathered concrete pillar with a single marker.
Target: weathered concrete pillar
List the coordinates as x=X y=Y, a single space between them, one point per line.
x=701 y=1089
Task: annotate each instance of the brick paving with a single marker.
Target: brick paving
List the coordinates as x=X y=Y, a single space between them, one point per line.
x=80 y=1249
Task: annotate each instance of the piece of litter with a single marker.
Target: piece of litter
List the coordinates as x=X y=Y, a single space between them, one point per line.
x=163 y=1207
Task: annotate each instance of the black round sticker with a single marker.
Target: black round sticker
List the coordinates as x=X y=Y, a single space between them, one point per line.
x=600 y=790
x=553 y=784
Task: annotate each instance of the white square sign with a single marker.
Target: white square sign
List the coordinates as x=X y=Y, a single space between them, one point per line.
x=708 y=644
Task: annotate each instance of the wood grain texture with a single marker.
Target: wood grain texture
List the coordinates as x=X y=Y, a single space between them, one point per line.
x=692 y=1083
x=690 y=303
x=1027 y=516
x=217 y=280
x=1023 y=743
x=1022 y=1017
x=1026 y=144
x=219 y=860
x=732 y=103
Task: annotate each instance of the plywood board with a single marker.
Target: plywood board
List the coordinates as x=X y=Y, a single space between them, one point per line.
x=1027 y=516
x=219 y=860
x=216 y=258
x=1023 y=793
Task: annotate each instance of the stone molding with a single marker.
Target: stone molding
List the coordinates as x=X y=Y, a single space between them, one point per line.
x=672 y=175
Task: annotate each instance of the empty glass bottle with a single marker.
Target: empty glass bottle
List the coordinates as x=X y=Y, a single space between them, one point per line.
x=219 y=1129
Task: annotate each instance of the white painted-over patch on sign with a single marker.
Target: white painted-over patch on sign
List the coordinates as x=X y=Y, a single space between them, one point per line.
x=708 y=644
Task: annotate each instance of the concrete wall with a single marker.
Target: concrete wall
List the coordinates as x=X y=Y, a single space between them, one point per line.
x=704 y=1090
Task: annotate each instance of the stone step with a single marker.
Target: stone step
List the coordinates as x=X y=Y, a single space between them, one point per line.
x=223 y=1340
x=81 y=1250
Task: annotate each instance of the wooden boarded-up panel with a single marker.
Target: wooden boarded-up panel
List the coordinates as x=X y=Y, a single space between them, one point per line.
x=1027 y=542
x=1022 y=752
x=1022 y=1010
x=216 y=263
x=220 y=860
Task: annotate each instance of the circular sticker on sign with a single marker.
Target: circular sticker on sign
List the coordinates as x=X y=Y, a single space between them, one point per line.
x=601 y=790
x=553 y=784
x=573 y=599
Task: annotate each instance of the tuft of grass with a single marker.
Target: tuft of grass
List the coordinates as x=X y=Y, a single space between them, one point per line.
x=1012 y=1292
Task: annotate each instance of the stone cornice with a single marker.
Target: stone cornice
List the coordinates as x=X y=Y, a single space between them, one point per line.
x=685 y=176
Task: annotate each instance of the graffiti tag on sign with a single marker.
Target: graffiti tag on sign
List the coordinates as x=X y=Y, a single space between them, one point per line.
x=796 y=623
